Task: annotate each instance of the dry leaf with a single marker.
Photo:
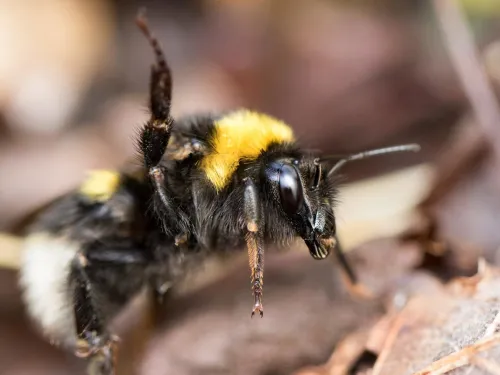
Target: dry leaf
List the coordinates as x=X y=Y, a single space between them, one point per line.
x=453 y=330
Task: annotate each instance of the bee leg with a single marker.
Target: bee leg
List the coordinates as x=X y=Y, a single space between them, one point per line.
x=93 y=341
x=353 y=284
x=161 y=77
x=344 y=263
x=155 y=134
x=254 y=243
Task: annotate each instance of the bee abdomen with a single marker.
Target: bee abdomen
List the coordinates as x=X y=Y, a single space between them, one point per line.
x=45 y=270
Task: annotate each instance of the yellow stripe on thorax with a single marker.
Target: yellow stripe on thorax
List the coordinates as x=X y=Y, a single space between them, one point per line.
x=241 y=135
x=100 y=185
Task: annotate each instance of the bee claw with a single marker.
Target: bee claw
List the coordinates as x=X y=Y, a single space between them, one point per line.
x=101 y=353
x=258 y=307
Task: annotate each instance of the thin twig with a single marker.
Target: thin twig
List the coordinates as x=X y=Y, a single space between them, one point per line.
x=493 y=327
x=461 y=358
x=471 y=73
x=391 y=338
x=464 y=152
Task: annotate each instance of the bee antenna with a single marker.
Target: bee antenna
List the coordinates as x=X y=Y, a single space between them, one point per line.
x=142 y=22
x=368 y=154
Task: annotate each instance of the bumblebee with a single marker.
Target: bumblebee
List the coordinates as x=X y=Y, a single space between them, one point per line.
x=207 y=185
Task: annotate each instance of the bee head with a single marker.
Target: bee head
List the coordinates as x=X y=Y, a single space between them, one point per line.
x=305 y=196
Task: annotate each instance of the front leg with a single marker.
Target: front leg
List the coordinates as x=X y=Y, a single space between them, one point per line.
x=343 y=262
x=352 y=283
x=254 y=243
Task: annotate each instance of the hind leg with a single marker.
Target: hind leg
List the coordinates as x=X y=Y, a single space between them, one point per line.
x=93 y=339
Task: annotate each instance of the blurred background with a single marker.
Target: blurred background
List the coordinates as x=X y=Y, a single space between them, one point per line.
x=346 y=75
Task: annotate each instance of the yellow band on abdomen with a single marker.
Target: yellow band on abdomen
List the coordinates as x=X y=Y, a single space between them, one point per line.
x=100 y=185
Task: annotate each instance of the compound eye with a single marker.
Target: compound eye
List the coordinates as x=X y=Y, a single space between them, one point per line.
x=291 y=193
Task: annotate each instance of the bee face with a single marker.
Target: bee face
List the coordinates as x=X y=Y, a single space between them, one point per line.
x=304 y=196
